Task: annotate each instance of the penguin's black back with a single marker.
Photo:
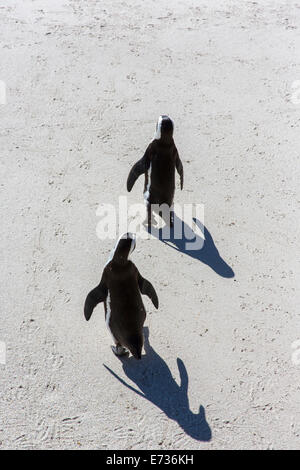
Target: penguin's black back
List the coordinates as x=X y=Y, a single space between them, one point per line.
x=162 y=174
x=124 y=304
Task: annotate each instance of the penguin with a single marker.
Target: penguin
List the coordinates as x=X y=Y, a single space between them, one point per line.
x=120 y=289
x=158 y=164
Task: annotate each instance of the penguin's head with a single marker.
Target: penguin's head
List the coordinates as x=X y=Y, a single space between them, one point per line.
x=124 y=247
x=164 y=127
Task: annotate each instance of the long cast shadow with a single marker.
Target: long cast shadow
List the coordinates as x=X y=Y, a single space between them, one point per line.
x=154 y=379
x=202 y=249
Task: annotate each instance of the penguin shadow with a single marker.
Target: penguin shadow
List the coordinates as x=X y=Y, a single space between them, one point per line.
x=183 y=238
x=154 y=379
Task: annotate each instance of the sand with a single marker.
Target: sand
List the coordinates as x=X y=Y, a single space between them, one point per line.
x=85 y=84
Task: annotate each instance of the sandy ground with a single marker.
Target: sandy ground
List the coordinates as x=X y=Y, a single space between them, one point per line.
x=86 y=82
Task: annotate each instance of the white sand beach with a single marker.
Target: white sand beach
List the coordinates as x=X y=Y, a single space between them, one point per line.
x=83 y=84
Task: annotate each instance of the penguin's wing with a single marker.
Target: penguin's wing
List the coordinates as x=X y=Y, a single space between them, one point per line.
x=96 y=296
x=179 y=168
x=184 y=379
x=138 y=169
x=147 y=288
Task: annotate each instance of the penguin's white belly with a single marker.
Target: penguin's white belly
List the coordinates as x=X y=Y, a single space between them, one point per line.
x=108 y=314
x=147 y=192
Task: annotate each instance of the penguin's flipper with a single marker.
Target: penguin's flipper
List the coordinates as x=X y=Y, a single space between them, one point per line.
x=184 y=379
x=179 y=168
x=139 y=168
x=96 y=296
x=147 y=288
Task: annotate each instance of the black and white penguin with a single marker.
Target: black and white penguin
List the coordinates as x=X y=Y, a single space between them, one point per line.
x=158 y=164
x=120 y=289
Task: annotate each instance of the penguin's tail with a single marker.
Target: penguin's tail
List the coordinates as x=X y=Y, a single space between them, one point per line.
x=136 y=354
x=135 y=345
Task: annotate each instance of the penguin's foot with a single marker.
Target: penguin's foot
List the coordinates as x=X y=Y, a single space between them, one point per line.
x=152 y=223
x=119 y=350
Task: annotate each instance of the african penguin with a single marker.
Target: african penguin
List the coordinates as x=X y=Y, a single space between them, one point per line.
x=120 y=289
x=158 y=164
